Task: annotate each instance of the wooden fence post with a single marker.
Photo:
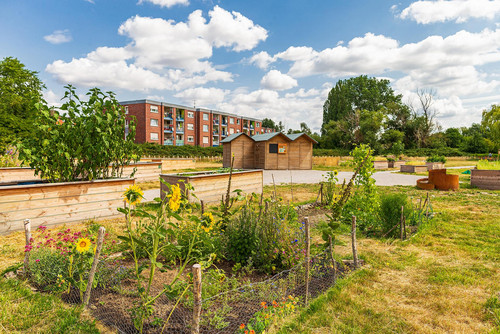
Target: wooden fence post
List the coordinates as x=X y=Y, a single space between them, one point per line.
x=197 y=298
x=321 y=193
x=354 y=245
x=100 y=240
x=202 y=206
x=27 y=250
x=308 y=254
x=334 y=263
x=401 y=222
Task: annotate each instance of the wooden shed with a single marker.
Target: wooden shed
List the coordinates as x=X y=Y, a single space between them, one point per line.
x=301 y=151
x=271 y=150
x=242 y=146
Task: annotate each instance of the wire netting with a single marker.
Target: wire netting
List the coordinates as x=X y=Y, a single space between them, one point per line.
x=114 y=296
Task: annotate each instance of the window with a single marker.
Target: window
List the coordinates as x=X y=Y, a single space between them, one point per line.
x=231 y=120
x=231 y=130
x=190 y=114
x=237 y=130
x=205 y=140
x=154 y=122
x=154 y=136
x=258 y=124
x=153 y=109
x=237 y=121
x=205 y=128
x=126 y=110
x=205 y=117
x=273 y=148
x=190 y=126
x=127 y=122
x=190 y=139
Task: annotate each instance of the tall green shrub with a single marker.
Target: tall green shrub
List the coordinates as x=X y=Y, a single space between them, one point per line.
x=390 y=213
x=82 y=140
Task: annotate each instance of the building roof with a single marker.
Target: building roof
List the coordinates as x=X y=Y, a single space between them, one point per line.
x=294 y=136
x=232 y=137
x=268 y=136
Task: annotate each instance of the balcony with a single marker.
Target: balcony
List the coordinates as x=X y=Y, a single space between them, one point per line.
x=179 y=130
x=215 y=133
x=224 y=134
x=216 y=122
x=169 y=116
x=168 y=129
x=245 y=126
x=168 y=142
x=179 y=142
x=179 y=119
x=224 y=123
x=215 y=143
x=251 y=126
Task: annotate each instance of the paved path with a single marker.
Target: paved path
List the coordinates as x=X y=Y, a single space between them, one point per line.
x=384 y=178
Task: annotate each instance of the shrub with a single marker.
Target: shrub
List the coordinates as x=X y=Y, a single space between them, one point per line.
x=436 y=158
x=83 y=141
x=152 y=149
x=390 y=213
x=242 y=236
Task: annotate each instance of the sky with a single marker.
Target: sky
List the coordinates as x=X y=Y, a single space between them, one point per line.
x=275 y=59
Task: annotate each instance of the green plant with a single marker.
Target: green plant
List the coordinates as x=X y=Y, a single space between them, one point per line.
x=436 y=158
x=242 y=235
x=83 y=140
x=155 y=234
x=390 y=213
x=364 y=201
x=10 y=158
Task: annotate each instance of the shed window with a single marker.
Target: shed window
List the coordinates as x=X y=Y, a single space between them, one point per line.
x=273 y=148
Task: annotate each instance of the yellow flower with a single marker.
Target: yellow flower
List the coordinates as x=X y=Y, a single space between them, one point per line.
x=83 y=245
x=133 y=195
x=175 y=198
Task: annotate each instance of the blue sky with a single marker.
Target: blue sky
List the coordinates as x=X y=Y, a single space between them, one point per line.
x=257 y=58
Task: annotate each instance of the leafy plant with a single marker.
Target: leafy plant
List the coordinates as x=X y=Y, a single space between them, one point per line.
x=436 y=158
x=390 y=213
x=83 y=140
x=10 y=158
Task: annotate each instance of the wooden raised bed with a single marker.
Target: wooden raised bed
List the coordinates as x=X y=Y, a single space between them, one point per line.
x=434 y=165
x=396 y=164
x=485 y=179
x=175 y=163
x=146 y=171
x=10 y=174
x=59 y=203
x=210 y=187
x=326 y=161
x=412 y=169
x=382 y=164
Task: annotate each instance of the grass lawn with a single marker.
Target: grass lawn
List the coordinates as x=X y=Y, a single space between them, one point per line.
x=444 y=279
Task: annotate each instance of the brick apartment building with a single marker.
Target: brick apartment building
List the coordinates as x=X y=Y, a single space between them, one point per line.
x=171 y=124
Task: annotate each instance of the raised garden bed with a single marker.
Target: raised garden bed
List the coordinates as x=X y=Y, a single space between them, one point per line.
x=175 y=163
x=485 y=179
x=396 y=164
x=412 y=168
x=382 y=164
x=14 y=174
x=59 y=203
x=434 y=165
x=209 y=186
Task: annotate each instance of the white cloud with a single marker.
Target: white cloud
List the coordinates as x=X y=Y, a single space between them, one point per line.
x=277 y=81
x=262 y=60
x=163 y=54
x=426 y=12
x=59 y=37
x=291 y=108
x=203 y=96
x=52 y=99
x=166 y=3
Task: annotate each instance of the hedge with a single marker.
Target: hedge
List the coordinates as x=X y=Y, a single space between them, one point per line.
x=151 y=149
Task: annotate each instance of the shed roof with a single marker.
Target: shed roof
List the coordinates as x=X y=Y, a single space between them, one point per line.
x=232 y=137
x=294 y=136
x=268 y=136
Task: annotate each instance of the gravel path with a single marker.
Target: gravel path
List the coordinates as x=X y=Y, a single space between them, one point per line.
x=384 y=178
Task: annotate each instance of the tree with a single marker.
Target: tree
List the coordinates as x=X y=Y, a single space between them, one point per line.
x=425 y=114
x=356 y=109
x=491 y=125
x=269 y=123
x=20 y=90
x=454 y=137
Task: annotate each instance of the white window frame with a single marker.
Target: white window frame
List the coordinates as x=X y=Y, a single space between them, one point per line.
x=238 y=121
x=190 y=139
x=205 y=127
x=153 y=134
x=153 y=109
x=231 y=131
x=151 y=122
x=190 y=114
x=231 y=120
x=126 y=110
x=205 y=116
x=205 y=140
x=190 y=126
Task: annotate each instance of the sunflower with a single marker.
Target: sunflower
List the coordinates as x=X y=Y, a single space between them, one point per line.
x=133 y=195
x=175 y=198
x=83 y=245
